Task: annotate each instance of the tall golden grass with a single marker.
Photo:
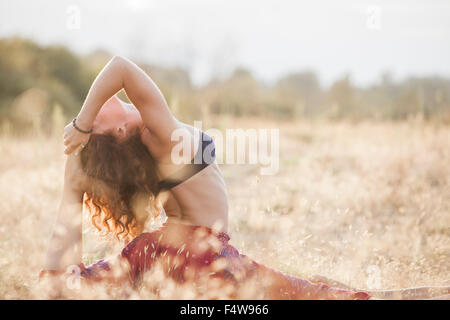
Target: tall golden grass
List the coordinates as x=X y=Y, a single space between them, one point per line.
x=366 y=203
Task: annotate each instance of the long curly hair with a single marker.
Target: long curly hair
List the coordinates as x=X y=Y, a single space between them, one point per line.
x=121 y=174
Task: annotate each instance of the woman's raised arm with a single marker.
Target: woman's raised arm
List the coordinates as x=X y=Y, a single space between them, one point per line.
x=65 y=247
x=120 y=73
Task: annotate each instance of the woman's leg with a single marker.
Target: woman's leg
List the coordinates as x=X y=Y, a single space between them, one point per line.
x=444 y=297
x=278 y=285
x=394 y=294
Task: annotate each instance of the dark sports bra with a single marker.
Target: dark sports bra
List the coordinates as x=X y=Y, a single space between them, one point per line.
x=205 y=155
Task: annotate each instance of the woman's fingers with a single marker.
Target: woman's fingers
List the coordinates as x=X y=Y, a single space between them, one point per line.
x=71 y=148
x=78 y=149
x=74 y=141
x=68 y=150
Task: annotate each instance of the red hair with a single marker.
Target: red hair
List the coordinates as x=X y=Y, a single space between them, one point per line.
x=120 y=174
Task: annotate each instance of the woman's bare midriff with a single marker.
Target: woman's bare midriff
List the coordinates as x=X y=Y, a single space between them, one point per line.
x=200 y=200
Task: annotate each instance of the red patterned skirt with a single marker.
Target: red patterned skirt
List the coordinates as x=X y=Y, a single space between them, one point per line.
x=198 y=259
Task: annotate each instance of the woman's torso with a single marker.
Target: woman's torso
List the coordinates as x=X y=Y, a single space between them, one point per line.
x=201 y=199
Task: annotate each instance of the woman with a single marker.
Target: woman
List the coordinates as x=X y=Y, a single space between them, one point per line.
x=124 y=158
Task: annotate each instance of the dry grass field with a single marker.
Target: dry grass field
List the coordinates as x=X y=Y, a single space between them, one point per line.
x=367 y=204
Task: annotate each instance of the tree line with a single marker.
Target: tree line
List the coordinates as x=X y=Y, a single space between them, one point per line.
x=36 y=80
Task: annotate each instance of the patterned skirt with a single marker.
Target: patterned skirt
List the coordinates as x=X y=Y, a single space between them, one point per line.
x=203 y=263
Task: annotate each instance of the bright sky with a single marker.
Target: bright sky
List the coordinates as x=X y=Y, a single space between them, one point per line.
x=270 y=37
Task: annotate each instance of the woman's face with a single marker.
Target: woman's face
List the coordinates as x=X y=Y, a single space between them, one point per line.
x=117 y=118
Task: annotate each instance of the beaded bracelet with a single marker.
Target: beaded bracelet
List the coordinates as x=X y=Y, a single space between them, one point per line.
x=79 y=129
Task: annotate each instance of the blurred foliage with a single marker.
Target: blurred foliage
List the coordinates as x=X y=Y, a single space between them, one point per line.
x=58 y=77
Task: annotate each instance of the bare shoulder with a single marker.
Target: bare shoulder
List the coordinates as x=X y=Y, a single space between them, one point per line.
x=180 y=141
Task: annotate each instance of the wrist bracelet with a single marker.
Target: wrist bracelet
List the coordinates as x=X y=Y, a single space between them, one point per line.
x=81 y=130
